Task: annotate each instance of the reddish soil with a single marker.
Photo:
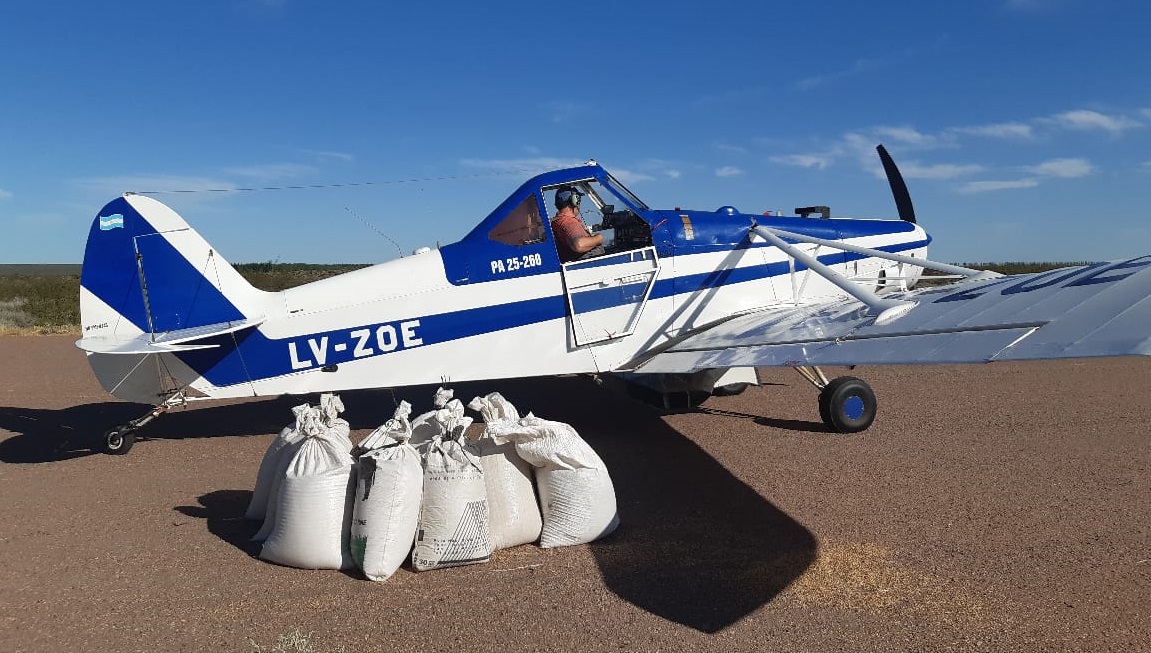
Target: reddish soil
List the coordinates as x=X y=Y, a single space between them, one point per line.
x=999 y=507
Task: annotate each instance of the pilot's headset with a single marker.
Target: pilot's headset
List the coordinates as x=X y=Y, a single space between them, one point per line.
x=567 y=196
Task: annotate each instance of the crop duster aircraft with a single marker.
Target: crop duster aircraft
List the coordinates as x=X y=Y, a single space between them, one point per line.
x=678 y=300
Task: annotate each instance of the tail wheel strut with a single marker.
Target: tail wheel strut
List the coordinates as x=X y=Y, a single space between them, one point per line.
x=119 y=440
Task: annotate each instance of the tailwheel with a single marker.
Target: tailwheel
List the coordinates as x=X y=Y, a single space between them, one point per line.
x=119 y=441
x=847 y=405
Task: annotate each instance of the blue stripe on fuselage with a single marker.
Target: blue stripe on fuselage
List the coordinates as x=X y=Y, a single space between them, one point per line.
x=264 y=357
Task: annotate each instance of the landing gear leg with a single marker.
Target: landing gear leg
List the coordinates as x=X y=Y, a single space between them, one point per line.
x=119 y=440
x=846 y=404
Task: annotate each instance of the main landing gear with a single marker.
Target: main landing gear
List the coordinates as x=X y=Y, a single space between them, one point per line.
x=119 y=440
x=846 y=404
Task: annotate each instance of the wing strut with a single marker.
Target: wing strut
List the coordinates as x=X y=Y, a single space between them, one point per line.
x=974 y=275
x=884 y=310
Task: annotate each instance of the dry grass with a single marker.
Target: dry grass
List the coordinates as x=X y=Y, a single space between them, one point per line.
x=864 y=578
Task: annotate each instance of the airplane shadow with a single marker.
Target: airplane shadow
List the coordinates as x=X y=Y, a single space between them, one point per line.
x=696 y=545
x=788 y=424
x=46 y=435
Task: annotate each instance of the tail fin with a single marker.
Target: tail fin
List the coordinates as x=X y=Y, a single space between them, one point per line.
x=150 y=281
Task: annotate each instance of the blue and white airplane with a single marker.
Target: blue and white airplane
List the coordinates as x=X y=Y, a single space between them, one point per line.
x=683 y=301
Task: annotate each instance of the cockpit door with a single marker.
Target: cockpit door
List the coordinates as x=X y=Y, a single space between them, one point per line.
x=606 y=295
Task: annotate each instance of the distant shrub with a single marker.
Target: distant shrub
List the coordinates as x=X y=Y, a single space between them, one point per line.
x=45 y=304
x=50 y=302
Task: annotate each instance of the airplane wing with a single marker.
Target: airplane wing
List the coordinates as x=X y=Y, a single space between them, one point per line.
x=1102 y=309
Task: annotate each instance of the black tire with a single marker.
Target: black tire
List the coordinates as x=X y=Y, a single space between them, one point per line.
x=119 y=440
x=729 y=390
x=847 y=405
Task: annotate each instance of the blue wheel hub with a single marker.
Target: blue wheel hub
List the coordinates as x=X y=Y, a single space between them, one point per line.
x=853 y=407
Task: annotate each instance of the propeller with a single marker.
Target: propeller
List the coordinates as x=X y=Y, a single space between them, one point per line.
x=898 y=187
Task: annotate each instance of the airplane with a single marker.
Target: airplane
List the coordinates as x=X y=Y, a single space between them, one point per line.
x=678 y=301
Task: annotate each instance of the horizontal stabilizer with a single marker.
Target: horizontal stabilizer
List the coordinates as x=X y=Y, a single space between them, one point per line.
x=171 y=341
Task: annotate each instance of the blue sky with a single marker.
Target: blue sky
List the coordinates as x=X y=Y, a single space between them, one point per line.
x=1023 y=127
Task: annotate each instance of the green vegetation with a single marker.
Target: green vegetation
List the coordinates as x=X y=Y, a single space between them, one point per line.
x=46 y=299
x=275 y=277
x=40 y=304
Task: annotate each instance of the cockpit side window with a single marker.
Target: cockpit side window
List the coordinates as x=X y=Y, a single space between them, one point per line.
x=523 y=226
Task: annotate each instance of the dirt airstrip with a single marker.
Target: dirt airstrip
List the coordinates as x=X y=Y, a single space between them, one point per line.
x=999 y=507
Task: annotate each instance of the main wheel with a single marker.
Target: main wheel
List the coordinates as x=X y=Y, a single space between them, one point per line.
x=119 y=440
x=847 y=405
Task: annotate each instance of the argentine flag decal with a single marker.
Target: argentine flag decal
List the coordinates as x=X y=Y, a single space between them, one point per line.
x=114 y=221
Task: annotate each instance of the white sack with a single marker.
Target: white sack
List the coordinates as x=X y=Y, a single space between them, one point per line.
x=577 y=498
x=513 y=512
x=271 y=467
x=453 y=522
x=434 y=423
x=307 y=425
x=399 y=427
x=314 y=508
x=339 y=429
x=389 y=485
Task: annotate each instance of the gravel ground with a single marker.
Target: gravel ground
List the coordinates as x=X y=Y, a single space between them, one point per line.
x=996 y=507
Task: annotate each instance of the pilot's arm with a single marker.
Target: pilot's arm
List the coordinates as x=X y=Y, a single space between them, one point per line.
x=584 y=244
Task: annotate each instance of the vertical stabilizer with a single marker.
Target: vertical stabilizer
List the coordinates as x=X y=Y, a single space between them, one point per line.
x=147 y=272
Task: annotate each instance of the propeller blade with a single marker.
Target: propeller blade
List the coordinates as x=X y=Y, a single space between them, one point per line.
x=898 y=187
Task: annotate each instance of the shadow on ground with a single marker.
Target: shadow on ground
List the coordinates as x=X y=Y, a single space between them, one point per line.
x=43 y=435
x=696 y=546
x=223 y=512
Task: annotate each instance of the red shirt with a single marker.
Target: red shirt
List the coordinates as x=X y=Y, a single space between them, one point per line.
x=565 y=228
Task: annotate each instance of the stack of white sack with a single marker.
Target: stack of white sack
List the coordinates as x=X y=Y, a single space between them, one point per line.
x=314 y=502
x=576 y=494
x=453 y=522
x=389 y=484
x=513 y=513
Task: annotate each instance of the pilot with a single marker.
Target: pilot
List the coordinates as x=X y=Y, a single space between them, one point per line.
x=573 y=240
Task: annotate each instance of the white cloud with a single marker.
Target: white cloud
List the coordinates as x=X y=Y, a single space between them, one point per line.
x=5 y=195
x=819 y=161
x=328 y=155
x=857 y=67
x=1004 y=130
x=631 y=177
x=535 y=166
x=272 y=171
x=530 y=166
x=561 y=112
x=728 y=171
x=727 y=147
x=1087 y=120
x=987 y=186
x=938 y=171
x=906 y=136
x=1063 y=168
x=111 y=186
